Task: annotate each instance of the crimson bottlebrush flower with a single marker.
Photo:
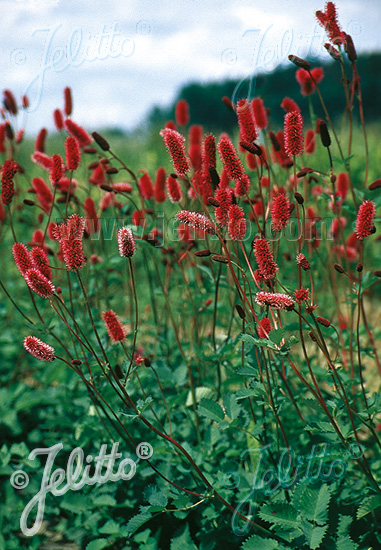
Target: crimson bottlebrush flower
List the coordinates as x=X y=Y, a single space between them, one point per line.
x=22 y=257
x=106 y=201
x=98 y=176
x=2 y=138
x=289 y=105
x=224 y=197
x=171 y=125
x=365 y=219
x=70 y=235
x=78 y=132
x=275 y=300
x=342 y=185
x=126 y=242
x=122 y=187
x=174 y=143
x=68 y=108
x=138 y=218
x=39 y=349
x=8 y=172
x=44 y=194
x=196 y=220
x=230 y=159
x=146 y=186
x=195 y=156
x=115 y=329
x=20 y=135
x=40 y=140
x=174 y=190
x=303 y=262
x=42 y=160
x=185 y=233
x=310 y=142
x=10 y=102
x=293 y=134
x=247 y=129
x=92 y=223
x=57 y=169
x=72 y=153
x=236 y=223
x=281 y=155
x=242 y=186
x=328 y=20
x=41 y=262
x=209 y=152
x=40 y=284
x=302 y=295
x=260 y=114
x=160 y=185
x=264 y=327
x=265 y=258
x=58 y=119
x=66 y=185
x=280 y=211
x=308 y=84
x=195 y=134
x=182 y=112
x=323 y=321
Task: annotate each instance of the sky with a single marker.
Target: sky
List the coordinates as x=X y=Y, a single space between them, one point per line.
x=122 y=57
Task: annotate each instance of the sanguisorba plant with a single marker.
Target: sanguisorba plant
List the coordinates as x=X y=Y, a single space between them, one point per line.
x=243 y=330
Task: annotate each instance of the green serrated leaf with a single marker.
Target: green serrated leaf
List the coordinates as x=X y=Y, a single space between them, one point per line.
x=183 y=541
x=313 y=504
x=314 y=534
x=155 y=496
x=368 y=505
x=278 y=513
x=231 y=406
x=211 y=410
x=111 y=527
x=255 y=542
x=137 y=521
x=98 y=544
x=276 y=336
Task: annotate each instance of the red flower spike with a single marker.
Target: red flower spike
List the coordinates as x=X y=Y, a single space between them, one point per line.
x=160 y=185
x=247 y=129
x=275 y=300
x=10 y=102
x=323 y=321
x=224 y=197
x=328 y=20
x=365 y=219
x=68 y=102
x=78 y=132
x=22 y=257
x=146 y=186
x=289 y=105
x=92 y=223
x=58 y=119
x=39 y=349
x=57 y=169
x=310 y=142
x=342 y=185
x=174 y=143
x=242 y=187
x=44 y=194
x=126 y=242
x=42 y=160
x=115 y=329
x=280 y=211
x=230 y=159
x=98 y=176
x=302 y=295
x=293 y=134
x=264 y=327
x=41 y=262
x=195 y=156
x=260 y=114
x=40 y=141
x=72 y=153
x=182 y=113
x=174 y=190
x=40 y=284
x=70 y=235
x=303 y=262
x=236 y=223
x=197 y=221
x=265 y=258
x=195 y=134
x=8 y=172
